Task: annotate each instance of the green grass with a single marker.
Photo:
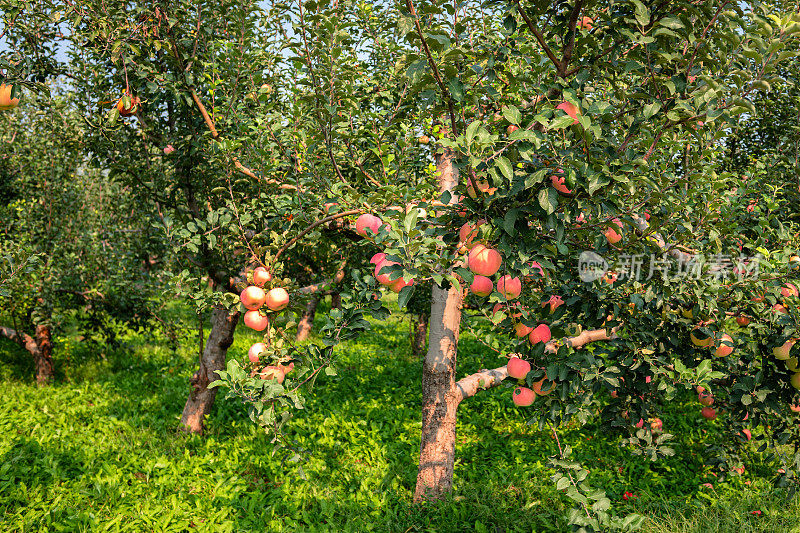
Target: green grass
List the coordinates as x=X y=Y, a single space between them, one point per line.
x=99 y=451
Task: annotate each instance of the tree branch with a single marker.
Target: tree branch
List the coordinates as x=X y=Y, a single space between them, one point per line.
x=539 y=38
x=311 y=227
x=24 y=340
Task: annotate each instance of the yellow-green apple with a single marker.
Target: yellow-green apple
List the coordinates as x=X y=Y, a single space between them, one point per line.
x=700 y=339
x=782 y=352
x=795 y=380
x=252 y=297
x=484 y=261
x=277 y=299
x=6 y=102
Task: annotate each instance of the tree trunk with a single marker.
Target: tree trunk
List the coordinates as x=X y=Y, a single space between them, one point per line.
x=201 y=398
x=306 y=323
x=41 y=348
x=45 y=371
x=419 y=334
x=336 y=300
x=440 y=397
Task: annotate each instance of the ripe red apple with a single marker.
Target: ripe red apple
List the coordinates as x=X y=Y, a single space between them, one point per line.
x=742 y=320
x=424 y=139
x=6 y=102
x=789 y=290
x=468 y=231
x=521 y=330
x=255 y=320
x=709 y=413
x=778 y=308
x=782 y=352
x=656 y=425
x=518 y=368
x=276 y=372
x=277 y=299
x=481 y=286
x=126 y=111
x=252 y=297
x=559 y=185
x=384 y=279
x=538 y=387
x=523 y=396
x=585 y=23
x=705 y=398
x=610 y=277
x=482 y=186
x=377 y=258
x=570 y=109
x=554 y=302
x=261 y=276
x=511 y=129
x=255 y=351
x=327 y=206
x=794 y=262
x=540 y=333
x=724 y=346
x=747 y=434
x=368 y=225
x=484 y=261
x=398 y=284
x=509 y=287
x=795 y=407
x=612 y=235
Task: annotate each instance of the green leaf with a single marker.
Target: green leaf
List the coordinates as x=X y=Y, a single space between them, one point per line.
x=512 y=114
x=548 y=199
x=405 y=295
x=505 y=167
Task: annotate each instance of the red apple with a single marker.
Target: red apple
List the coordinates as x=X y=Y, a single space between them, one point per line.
x=612 y=235
x=554 y=302
x=255 y=320
x=569 y=109
x=789 y=291
x=509 y=287
x=481 y=286
x=398 y=284
x=559 y=185
x=384 y=279
x=700 y=339
x=724 y=346
x=709 y=413
x=255 y=351
x=537 y=387
x=511 y=129
x=585 y=23
x=518 y=368
x=377 y=258
x=742 y=320
x=261 y=276
x=126 y=111
x=368 y=225
x=523 y=396
x=705 y=398
x=521 y=330
x=468 y=231
x=747 y=434
x=252 y=297
x=484 y=261
x=540 y=333
x=656 y=425
x=276 y=372
x=424 y=139
x=277 y=299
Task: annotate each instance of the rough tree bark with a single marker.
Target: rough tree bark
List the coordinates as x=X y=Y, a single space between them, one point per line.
x=439 y=394
x=201 y=399
x=419 y=334
x=41 y=348
x=306 y=323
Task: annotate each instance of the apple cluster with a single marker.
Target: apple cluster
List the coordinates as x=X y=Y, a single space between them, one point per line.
x=255 y=298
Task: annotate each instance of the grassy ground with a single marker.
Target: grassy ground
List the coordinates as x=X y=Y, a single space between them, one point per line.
x=99 y=451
